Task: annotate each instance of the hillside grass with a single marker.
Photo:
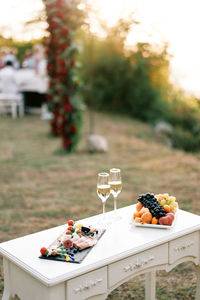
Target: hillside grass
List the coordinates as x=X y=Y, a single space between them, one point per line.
x=40 y=188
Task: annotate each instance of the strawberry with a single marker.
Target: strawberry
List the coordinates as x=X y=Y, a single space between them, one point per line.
x=70 y=222
x=44 y=251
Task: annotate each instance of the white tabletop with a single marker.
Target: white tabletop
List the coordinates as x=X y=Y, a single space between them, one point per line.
x=30 y=81
x=120 y=240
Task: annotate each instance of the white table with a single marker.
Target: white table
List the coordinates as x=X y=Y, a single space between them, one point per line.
x=123 y=252
x=30 y=81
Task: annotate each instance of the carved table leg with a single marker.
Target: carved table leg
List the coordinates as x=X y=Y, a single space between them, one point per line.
x=198 y=283
x=7 y=292
x=150 y=285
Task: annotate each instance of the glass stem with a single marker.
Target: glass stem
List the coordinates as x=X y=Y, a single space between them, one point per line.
x=104 y=207
x=115 y=203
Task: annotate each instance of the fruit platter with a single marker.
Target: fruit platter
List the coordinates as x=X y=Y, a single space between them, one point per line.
x=157 y=211
x=74 y=244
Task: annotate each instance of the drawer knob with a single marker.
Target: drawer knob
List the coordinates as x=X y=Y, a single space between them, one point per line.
x=138 y=264
x=184 y=246
x=89 y=284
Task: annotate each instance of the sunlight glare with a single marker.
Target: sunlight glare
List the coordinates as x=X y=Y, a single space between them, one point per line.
x=176 y=22
x=15 y=13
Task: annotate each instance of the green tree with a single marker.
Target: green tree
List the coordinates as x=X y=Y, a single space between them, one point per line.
x=124 y=80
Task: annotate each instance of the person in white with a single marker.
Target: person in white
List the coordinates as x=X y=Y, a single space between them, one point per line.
x=9 y=96
x=12 y=58
x=29 y=60
x=8 y=79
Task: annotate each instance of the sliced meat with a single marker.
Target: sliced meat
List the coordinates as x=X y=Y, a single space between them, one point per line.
x=84 y=243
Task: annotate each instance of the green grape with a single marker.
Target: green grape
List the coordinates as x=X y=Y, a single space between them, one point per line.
x=172 y=199
x=166 y=199
x=175 y=204
x=163 y=202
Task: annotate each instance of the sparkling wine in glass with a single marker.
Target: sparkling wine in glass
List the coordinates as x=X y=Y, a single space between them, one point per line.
x=115 y=184
x=103 y=188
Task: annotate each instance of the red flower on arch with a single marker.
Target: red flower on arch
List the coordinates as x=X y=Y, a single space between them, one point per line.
x=67 y=108
x=65 y=30
x=53 y=25
x=66 y=98
x=63 y=46
x=61 y=2
x=62 y=62
x=66 y=143
x=60 y=14
x=73 y=129
x=72 y=63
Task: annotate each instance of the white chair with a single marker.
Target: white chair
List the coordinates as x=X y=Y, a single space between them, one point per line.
x=12 y=102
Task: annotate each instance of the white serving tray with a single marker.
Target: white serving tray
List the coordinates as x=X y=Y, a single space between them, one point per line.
x=157 y=226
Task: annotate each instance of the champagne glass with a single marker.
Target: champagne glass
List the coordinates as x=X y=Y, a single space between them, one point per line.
x=103 y=188
x=115 y=184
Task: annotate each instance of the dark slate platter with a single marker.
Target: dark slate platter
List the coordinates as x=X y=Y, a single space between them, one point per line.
x=78 y=257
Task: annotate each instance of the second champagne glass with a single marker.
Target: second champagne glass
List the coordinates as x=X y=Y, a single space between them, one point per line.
x=115 y=184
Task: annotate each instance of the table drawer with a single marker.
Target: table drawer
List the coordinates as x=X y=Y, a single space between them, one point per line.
x=136 y=263
x=87 y=285
x=183 y=247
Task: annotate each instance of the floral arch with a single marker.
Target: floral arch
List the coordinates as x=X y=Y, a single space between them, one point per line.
x=63 y=18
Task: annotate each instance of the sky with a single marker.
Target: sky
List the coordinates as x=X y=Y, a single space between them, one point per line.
x=174 y=21
x=13 y=15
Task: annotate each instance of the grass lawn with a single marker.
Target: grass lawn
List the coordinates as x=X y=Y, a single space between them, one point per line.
x=40 y=188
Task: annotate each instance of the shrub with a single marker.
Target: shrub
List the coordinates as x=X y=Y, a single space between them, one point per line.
x=184 y=139
x=122 y=84
x=184 y=113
